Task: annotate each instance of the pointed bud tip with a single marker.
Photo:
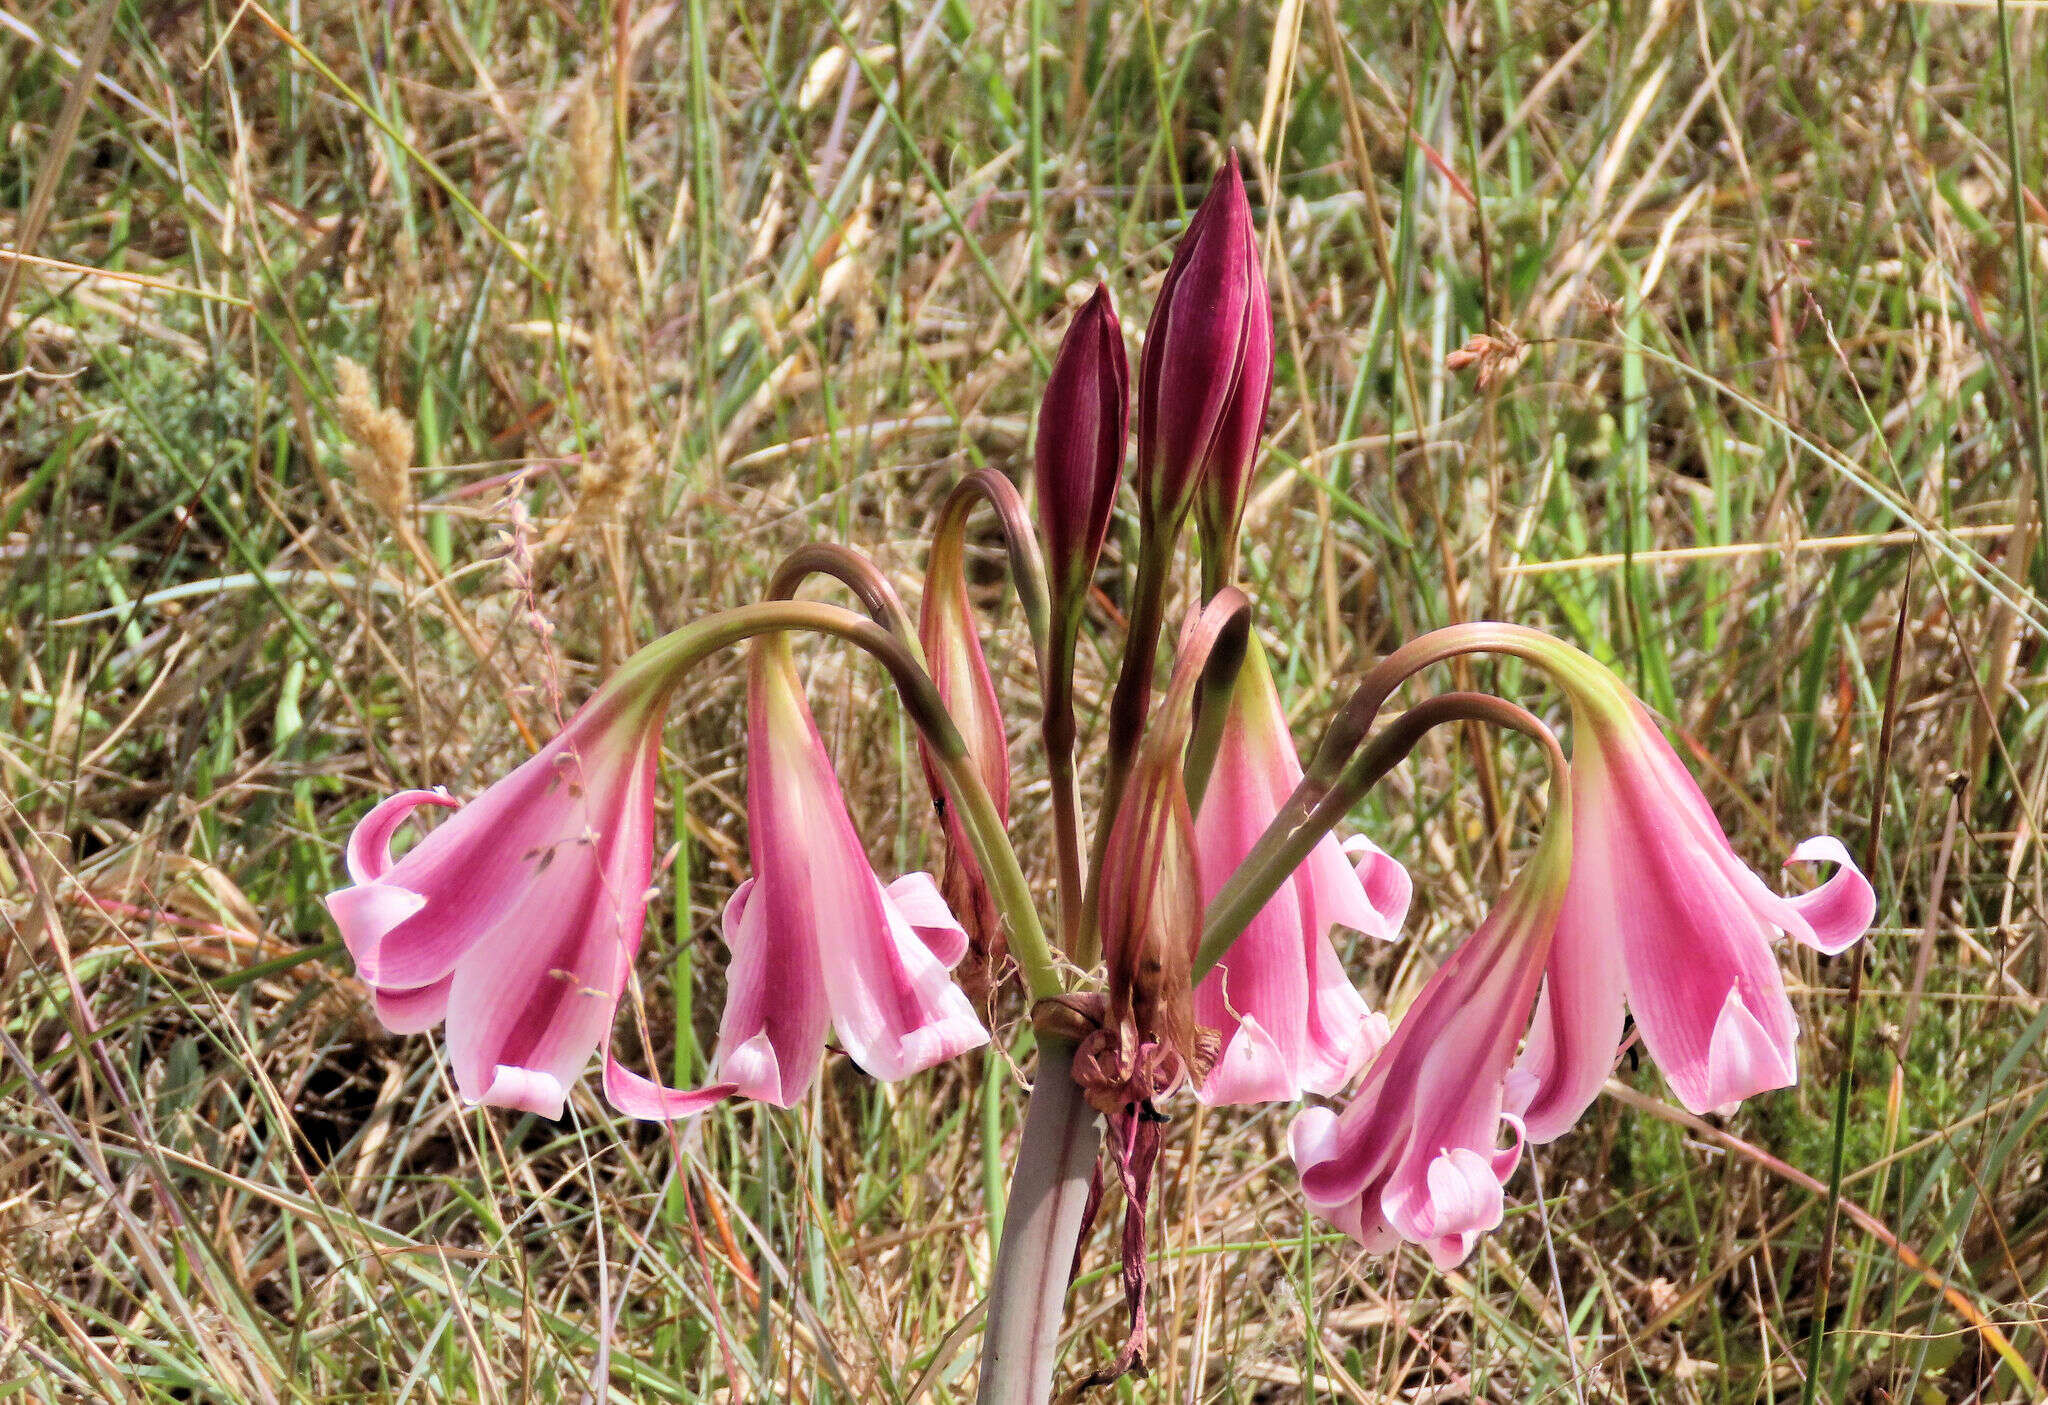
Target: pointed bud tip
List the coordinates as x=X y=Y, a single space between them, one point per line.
x=1100 y=308
x=1229 y=184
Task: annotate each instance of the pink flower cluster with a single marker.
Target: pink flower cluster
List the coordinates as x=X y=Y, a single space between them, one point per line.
x=515 y=922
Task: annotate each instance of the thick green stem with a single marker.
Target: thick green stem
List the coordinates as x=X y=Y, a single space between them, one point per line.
x=1212 y=712
x=853 y=570
x=660 y=666
x=1041 y=1225
x=1057 y=724
x=1027 y=563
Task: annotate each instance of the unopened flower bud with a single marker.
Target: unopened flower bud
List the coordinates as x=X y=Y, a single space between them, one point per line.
x=952 y=645
x=1207 y=369
x=1082 y=423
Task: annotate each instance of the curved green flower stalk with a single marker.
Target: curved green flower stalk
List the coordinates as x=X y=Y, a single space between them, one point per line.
x=858 y=573
x=1288 y=842
x=674 y=654
x=951 y=638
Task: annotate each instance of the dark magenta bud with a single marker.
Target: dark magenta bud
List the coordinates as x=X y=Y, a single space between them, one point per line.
x=1207 y=368
x=1082 y=424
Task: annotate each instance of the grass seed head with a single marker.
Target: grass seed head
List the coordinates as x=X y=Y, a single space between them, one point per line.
x=381 y=456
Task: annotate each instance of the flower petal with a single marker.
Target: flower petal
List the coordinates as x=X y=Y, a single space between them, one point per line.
x=1251 y=1069
x=1840 y=910
x=841 y=944
x=366 y=914
x=1343 y=1032
x=1576 y=1032
x=523 y=1089
x=771 y=1038
x=642 y=1097
x=1742 y=1058
x=1508 y=1157
x=369 y=843
x=1283 y=971
x=1464 y=1202
x=1312 y=1137
x=918 y=898
x=481 y=868
x=538 y=998
x=1693 y=921
x=1262 y=981
x=1388 y=888
x=1424 y=1125
x=894 y=1007
x=1464 y=1191
x=754 y=1070
x=538 y=990
x=1312 y=1140
x=412 y=1011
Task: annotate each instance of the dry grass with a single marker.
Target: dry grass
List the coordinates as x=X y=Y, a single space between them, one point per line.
x=645 y=295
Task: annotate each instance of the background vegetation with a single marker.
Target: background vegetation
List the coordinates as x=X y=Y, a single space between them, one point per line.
x=645 y=294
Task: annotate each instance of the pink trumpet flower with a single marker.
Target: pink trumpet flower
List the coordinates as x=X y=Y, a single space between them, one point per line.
x=516 y=920
x=1289 y=1019
x=1664 y=918
x=816 y=939
x=1415 y=1155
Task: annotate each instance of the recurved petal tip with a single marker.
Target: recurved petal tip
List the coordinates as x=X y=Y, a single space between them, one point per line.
x=369 y=844
x=754 y=1070
x=1464 y=1198
x=649 y=1101
x=1387 y=885
x=1840 y=910
x=1312 y=1139
x=921 y=904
